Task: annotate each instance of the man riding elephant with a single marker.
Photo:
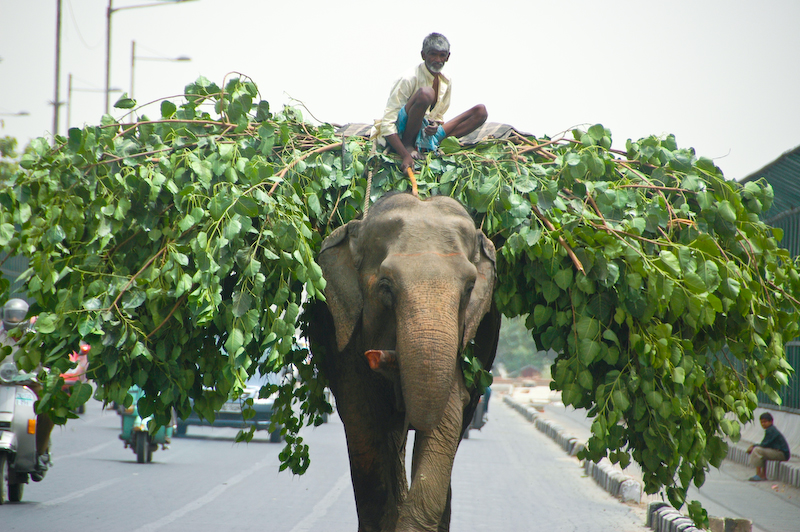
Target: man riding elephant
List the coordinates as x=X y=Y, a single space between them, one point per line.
x=413 y=121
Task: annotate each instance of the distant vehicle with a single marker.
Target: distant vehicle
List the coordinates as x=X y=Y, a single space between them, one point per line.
x=135 y=433
x=230 y=414
x=18 y=460
x=78 y=373
x=479 y=418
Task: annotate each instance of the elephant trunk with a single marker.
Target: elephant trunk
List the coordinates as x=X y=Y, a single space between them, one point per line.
x=427 y=352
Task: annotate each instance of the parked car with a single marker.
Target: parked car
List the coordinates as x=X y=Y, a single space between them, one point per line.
x=230 y=414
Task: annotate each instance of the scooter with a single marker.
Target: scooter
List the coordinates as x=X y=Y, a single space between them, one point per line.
x=479 y=418
x=135 y=433
x=17 y=432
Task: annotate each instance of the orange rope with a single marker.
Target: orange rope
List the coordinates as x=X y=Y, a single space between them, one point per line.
x=410 y=172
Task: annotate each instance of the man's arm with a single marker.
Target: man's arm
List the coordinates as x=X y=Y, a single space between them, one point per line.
x=770 y=438
x=399 y=95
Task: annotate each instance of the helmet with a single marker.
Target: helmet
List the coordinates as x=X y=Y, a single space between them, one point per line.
x=14 y=312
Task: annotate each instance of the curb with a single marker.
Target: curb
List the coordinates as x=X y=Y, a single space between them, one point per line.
x=661 y=516
x=618 y=484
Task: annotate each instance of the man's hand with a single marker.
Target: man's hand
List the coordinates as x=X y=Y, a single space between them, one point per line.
x=750 y=449
x=432 y=128
x=408 y=162
x=408 y=153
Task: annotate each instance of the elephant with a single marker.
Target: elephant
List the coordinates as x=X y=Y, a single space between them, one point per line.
x=409 y=287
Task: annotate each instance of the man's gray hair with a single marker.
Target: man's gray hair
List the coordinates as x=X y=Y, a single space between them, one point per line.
x=435 y=42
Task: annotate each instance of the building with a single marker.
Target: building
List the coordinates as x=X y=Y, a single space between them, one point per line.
x=784 y=176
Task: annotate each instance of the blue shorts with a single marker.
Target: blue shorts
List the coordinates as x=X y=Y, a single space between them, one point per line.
x=423 y=142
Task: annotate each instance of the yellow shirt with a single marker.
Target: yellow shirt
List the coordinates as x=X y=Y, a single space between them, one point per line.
x=403 y=89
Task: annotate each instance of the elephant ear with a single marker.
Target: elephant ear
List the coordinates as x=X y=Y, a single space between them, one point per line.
x=482 y=294
x=340 y=270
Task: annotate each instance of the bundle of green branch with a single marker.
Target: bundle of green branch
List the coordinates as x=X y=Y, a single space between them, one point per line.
x=183 y=248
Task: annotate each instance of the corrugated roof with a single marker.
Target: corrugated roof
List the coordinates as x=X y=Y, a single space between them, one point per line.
x=784 y=176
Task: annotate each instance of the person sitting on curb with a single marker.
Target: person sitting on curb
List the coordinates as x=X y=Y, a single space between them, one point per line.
x=772 y=447
x=413 y=119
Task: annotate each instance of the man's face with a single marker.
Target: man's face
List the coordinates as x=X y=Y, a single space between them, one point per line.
x=435 y=60
x=765 y=423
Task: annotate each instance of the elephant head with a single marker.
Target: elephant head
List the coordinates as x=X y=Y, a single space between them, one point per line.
x=408 y=288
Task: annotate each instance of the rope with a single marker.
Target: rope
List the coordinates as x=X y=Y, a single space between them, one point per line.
x=368 y=191
x=410 y=172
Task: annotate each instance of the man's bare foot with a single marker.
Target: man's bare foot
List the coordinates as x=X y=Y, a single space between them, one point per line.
x=412 y=151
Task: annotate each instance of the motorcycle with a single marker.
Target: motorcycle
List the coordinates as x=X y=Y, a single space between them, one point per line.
x=17 y=432
x=135 y=433
x=479 y=418
x=78 y=373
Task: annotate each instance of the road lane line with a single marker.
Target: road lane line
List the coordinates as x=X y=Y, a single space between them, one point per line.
x=81 y=493
x=321 y=508
x=84 y=452
x=198 y=504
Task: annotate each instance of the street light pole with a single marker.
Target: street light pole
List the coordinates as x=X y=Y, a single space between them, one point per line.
x=133 y=61
x=134 y=57
x=56 y=101
x=110 y=11
x=71 y=89
x=18 y=113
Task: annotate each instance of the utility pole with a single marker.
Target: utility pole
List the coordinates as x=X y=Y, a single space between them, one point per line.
x=56 y=101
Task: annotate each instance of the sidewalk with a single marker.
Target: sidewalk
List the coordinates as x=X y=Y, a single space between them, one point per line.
x=772 y=506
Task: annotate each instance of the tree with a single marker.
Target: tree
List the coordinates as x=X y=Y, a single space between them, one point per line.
x=8 y=154
x=182 y=248
x=516 y=348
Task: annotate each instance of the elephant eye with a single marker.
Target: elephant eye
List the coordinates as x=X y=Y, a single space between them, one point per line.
x=385 y=292
x=468 y=290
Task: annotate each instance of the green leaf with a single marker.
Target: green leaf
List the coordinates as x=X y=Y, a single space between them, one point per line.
x=80 y=392
x=125 y=102
x=168 y=109
x=726 y=211
x=541 y=315
x=449 y=145
x=563 y=279
x=6 y=233
x=670 y=261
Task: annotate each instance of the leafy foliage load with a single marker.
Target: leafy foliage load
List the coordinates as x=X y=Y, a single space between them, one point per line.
x=181 y=248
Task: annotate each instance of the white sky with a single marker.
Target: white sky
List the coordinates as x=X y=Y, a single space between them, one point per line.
x=722 y=75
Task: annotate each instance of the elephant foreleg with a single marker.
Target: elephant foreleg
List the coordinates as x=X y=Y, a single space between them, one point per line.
x=429 y=494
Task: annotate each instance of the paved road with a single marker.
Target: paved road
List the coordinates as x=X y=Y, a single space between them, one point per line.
x=771 y=506
x=507 y=477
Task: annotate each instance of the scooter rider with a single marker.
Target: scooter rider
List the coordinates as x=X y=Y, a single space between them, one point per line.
x=13 y=313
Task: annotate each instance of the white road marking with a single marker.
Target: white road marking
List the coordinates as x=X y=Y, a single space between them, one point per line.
x=321 y=508
x=81 y=493
x=84 y=452
x=199 y=503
